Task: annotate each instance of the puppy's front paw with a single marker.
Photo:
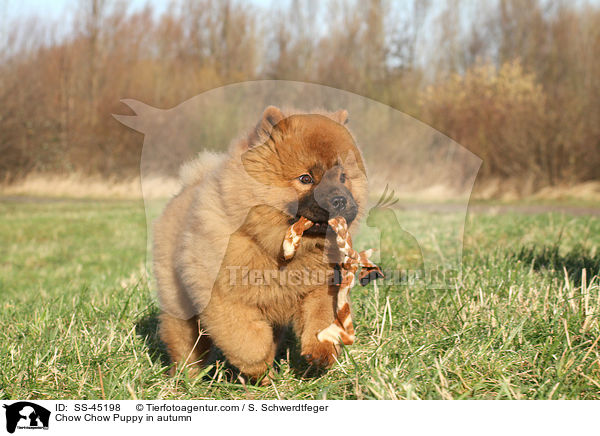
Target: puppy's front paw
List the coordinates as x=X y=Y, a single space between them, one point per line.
x=322 y=354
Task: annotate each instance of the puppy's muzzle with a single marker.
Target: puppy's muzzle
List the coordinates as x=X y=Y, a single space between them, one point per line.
x=336 y=200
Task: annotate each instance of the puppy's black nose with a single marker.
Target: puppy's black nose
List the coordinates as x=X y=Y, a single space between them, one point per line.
x=338 y=203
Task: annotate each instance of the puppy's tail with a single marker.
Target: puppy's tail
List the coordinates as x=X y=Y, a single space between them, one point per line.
x=195 y=170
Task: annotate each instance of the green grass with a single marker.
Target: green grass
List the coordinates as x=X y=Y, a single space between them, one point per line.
x=78 y=319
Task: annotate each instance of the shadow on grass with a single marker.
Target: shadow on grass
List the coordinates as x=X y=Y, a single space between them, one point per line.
x=550 y=258
x=289 y=350
x=147 y=328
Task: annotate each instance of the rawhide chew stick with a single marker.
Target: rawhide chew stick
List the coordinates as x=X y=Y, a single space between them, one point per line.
x=342 y=328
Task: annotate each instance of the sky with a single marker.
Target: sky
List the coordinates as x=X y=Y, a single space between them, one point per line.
x=59 y=13
x=57 y=8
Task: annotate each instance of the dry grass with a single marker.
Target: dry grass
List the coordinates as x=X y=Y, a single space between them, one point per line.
x=583 y=191
x=76 y=186
x=518 y=189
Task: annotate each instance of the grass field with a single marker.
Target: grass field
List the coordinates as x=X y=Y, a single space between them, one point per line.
x=78 y=319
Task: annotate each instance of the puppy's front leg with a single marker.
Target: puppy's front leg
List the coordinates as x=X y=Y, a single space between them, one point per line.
x=242 y=333
x=317 y=312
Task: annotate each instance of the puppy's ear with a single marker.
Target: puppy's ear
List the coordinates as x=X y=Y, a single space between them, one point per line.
x=270 y=118
x=341 y=116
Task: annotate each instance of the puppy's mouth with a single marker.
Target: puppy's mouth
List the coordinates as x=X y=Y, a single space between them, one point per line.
x=338 y=203
x=318 y=227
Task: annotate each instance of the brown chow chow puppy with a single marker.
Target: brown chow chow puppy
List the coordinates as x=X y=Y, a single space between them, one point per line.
x=218 y=244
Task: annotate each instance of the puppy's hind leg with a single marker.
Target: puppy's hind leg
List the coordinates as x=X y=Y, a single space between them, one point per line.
x=184 y=343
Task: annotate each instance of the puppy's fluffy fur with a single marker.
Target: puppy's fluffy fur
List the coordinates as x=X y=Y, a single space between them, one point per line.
x=232 y=214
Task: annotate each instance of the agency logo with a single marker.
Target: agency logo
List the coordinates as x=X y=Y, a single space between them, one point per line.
x=26 y=416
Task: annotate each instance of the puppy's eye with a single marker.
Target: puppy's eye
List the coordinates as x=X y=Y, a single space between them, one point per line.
x=343 y=178
x=305 y=179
